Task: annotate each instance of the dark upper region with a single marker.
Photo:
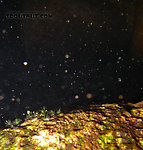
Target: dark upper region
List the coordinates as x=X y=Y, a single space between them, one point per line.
x=44 y=43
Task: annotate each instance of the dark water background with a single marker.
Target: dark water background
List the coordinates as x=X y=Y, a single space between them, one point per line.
x=84 y=47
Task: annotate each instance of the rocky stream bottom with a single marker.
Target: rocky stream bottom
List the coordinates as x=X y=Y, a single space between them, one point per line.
x=98 y=127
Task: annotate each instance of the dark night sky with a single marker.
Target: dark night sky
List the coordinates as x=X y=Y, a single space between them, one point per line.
x=80 y=54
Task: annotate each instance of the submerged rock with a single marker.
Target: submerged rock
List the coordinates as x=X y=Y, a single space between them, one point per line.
x=106 y=126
